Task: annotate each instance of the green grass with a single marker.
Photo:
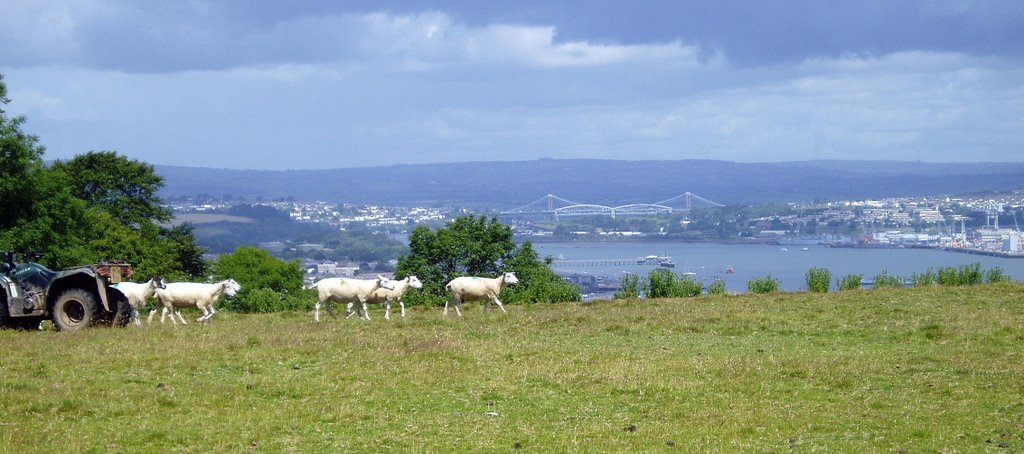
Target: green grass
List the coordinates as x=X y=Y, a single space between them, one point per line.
x=922 y=369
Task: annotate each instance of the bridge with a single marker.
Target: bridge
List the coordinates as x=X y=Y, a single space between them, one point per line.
x=554 y=206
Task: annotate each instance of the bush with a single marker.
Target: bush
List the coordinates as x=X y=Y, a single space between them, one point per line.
x=630 y=284
x=926 y=279
x=662 y=283
x=850 y=282
x=995 y=275
x=971 y=274
x=767 y=284
x=887 y=280
x=717 y=287
x=964 y=275
x=819 y=279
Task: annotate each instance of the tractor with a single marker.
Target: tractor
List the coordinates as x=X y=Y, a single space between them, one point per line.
x=74 y=298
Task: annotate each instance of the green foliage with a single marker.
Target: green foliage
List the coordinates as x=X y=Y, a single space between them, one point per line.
x=996 y=274
x=96 y=207
x=819 y=279
x=925 y=279
x=537 y=282
x=268 y=284
x=629 y=285
x=970 y=274
x=478 y=246
x=850 y=282
x=123 y=187
x=21 y=167
x=884 y=279
x=767 y=284
x=717 y=288
x=662 y=283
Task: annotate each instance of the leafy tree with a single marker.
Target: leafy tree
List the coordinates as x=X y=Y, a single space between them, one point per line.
x=477 y=246
x=21 y=166
x=262 y=275
x=123 y=187
x=95 y=207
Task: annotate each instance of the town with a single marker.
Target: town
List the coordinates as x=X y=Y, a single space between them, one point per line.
x=983 y=224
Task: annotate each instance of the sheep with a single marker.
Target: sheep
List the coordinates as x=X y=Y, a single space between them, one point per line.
x=387 y=296
x=139 y=293
x=344 y=290
x=469 y=288
x=191 y=294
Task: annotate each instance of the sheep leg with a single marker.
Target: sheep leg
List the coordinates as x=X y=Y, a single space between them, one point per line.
x=330 y=309
x=135 y=316
x=181 y=317
x=387 y=309
x=366 y=311
x=316 y=313
x=164 y=314
x=350 y=310
x=458 y=304
x=445 y=313
x=151 y=314
x=500 y=306
x=400 y=303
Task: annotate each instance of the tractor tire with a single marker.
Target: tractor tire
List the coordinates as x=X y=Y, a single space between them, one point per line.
x=75 y=309
x=123 y=312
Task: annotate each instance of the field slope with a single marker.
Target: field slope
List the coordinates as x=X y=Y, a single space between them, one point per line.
x=889 y=370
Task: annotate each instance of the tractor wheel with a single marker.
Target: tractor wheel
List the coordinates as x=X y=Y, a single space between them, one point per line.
x=123 y=312
x=75 y=309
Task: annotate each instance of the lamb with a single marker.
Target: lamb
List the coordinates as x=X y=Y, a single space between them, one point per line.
x=190 y=294
x=471 y=288
x=387 y=296
x=344 y=290
x=139 y=293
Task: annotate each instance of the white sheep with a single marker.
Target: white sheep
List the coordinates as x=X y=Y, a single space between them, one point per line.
x=469 y=288
x=190 y=294
x=346 y=290
x=387 y=296
x=139 y=293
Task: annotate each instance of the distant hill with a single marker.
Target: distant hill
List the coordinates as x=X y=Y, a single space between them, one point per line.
x=505 y=185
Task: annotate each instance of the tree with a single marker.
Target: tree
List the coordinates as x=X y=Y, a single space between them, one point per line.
x=476 y=246
x=21 y=165
x=123 y=187
x=262 y=275
x=97 y=206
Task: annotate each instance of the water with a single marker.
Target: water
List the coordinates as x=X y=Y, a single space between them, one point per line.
x=788 y=263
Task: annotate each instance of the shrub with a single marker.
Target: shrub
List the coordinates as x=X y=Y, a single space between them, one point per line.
x=767 y=284
x=630 y=284
x=964 y=275
x=971 y=274
x=819 y=279
x=926 y=279
x=717 y=287
x=662 y=283
x=996 y=274
x=887 y=280
x=850 y=282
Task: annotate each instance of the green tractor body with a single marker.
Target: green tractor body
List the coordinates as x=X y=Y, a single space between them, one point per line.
x=73 y=298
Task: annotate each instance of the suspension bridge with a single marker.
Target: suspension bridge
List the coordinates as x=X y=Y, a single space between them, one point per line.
x=554 y=206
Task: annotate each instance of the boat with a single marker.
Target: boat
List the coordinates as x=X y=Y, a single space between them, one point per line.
x=666 y=262
x=729 y=270
x=805 y=249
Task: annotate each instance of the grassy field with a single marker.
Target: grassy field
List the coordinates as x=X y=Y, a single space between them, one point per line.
x=903 y=370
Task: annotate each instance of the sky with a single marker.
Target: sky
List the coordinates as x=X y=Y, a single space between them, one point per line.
x=268 y=84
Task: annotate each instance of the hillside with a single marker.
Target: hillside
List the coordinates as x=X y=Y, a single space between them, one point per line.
x=906 y=370
x=505 y=185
